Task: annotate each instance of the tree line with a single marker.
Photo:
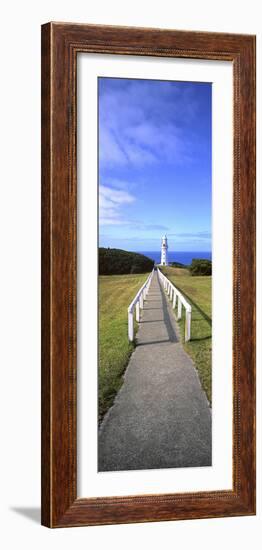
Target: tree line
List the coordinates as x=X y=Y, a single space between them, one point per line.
x=113 y=261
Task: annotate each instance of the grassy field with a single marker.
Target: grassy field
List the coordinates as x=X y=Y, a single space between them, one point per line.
x=198 y=291
x=115 y=294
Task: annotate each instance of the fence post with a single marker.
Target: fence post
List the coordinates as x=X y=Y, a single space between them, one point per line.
x=130 y=326
x=141 y=304
x=137 y=312
x=188 y=325
x=176 y=299
x=179 y=311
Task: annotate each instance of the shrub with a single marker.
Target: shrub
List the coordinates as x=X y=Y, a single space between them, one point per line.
x=201 y=267
x=113 y=261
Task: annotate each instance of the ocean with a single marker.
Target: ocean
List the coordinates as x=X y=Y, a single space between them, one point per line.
x=181 y=257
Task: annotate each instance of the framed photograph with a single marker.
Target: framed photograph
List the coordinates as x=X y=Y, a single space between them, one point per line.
x=148 y=275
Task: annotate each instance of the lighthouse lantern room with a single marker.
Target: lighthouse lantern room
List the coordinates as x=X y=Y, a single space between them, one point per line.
x=164 y=249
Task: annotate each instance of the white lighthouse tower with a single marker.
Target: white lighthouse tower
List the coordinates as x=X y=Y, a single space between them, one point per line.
x=164 y=249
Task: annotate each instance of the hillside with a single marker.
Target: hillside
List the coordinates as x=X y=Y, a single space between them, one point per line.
x=114 y=261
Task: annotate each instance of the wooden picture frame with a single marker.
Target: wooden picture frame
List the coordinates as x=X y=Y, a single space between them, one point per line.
x=61 y=43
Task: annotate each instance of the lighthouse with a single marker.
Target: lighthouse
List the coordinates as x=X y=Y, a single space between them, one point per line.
x=164 y=249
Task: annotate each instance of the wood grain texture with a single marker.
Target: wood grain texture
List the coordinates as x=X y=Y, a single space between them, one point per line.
x=60 y=44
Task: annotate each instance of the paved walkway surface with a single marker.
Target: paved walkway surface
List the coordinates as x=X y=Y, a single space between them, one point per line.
x=160 y=417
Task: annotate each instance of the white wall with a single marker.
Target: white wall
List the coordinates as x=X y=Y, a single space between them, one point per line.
x=20 y=270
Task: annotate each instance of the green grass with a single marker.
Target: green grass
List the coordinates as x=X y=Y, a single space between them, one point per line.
x=198 y=292
x=115 y=294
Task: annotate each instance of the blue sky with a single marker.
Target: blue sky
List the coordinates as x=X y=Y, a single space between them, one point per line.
x=154 y=164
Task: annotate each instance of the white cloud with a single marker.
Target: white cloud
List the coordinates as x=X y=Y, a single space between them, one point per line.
x=137 y=124
x=115 y=196
x=109 y=150
x=110 y=203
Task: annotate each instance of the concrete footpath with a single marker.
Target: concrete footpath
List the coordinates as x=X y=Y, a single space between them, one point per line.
x=160 y=417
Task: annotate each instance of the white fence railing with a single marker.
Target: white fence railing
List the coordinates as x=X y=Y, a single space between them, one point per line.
x=178 y=299
x=137 y=303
